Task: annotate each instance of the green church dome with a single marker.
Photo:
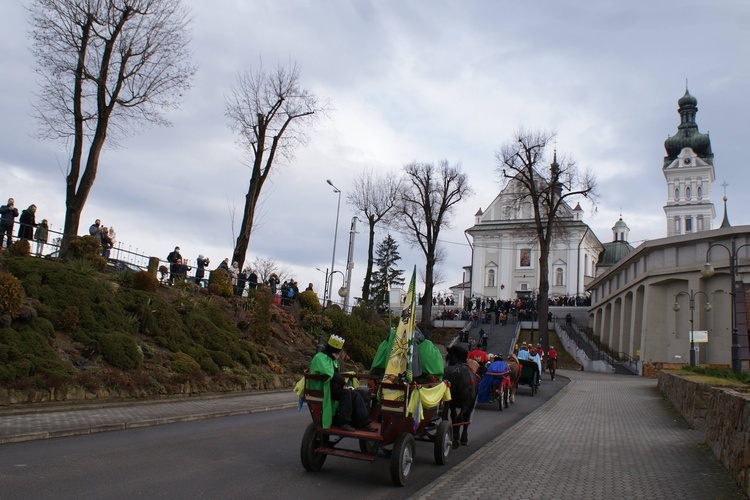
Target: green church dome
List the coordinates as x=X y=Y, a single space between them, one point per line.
x=688 y=135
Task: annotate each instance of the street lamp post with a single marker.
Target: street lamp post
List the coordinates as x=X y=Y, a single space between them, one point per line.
x=343 y=292
x=707 y=271
x=335 y=235
x=691 y=303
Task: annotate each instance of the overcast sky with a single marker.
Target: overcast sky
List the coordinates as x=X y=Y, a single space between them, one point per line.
x=407 y=81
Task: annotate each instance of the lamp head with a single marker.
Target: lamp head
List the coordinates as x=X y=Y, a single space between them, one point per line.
x=343 y=292
x=708 y=307
x=676 y=307
x=707 y=270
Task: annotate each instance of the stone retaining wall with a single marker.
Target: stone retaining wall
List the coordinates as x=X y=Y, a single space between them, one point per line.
x=722 y=413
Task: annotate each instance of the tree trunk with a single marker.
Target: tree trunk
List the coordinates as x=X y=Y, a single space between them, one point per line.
x=77 y=192
x=370 y=260
x=427 y=297
x=251 y=200
x=543 y=295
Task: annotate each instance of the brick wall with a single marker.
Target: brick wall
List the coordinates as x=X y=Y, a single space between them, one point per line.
x=722 y=413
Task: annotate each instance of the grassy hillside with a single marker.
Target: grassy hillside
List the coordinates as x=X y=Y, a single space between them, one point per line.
x=68 y=331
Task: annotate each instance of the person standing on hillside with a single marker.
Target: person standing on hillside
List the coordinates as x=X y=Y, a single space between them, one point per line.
x=27 y=223
x=42 y=231
x=173 y=258
x=200 y=270
x=252 y=279
x=8 y=213
x=94 y=229
x=105 y=241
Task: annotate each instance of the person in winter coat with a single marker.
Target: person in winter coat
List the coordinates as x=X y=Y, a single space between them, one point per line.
x=8 y=213
x=40 y=236
x=27 y=223
x=173 y=257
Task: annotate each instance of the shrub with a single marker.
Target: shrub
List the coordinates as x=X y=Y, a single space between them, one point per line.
x=260 y=328
x=222 y=359
x=69 y=320
x=183 y=363
x=20 y=248
x=309 y=300
x=120 y=351
x=85 y=247
x=145 y=281
x=219 y=283
x=88 y=248
x=11 y=295
x=27 y=352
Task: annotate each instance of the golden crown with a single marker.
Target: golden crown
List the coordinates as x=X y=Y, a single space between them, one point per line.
x=336 y=342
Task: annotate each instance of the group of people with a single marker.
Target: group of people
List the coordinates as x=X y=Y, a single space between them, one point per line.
x=242 y=280
x=105 y=235
x=536 y=354
x=28 y=229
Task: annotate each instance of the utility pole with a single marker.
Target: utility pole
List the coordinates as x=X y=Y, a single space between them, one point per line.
x=350 y=262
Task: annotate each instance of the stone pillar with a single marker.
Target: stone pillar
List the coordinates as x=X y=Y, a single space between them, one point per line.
x=153 y=266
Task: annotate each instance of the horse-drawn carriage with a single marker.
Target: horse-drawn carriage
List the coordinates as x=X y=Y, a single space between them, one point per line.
x=399 y=416
x=495 y=388
x=529 y=375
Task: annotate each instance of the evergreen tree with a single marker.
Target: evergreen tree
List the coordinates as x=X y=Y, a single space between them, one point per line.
x=386 y=258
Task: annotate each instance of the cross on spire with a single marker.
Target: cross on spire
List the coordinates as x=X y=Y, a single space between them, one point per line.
x=724 y=185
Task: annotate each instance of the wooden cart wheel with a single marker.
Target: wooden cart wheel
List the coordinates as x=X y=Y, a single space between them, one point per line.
x=310 y=441
x=402 y=459
x=534 y=383
x=443 y=442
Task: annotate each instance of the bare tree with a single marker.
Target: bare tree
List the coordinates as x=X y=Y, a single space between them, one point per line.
x=270 y=111
x=264 y=267
x=428 y=200
x=105 y=66
x=374 y=197
x=522 y=162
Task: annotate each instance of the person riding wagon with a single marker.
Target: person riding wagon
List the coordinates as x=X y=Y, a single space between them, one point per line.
x=342 y=405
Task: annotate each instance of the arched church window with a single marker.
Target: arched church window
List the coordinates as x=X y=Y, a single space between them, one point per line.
x=559 y=276
x=491 y=277
x=687 y=193
x=700 y=192
x=676 y=193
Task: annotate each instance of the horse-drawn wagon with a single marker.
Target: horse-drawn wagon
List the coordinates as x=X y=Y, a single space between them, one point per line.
x=529 y=375
x=399 y=416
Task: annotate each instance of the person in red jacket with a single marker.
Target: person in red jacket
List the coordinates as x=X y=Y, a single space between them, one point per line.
x=552 y=362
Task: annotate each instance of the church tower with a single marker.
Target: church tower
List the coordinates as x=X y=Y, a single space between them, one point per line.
x=689 y=172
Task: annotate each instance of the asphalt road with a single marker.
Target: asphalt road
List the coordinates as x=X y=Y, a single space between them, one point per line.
x=249 y=456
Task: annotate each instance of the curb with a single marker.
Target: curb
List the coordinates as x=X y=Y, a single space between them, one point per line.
x=36 y=436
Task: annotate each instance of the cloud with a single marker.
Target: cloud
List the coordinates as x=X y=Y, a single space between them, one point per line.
x=408 y=81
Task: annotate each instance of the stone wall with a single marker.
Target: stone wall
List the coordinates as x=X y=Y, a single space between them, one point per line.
x=722 y=413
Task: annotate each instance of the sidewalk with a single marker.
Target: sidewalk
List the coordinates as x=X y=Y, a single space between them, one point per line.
x=51 y=421
x=601 y=437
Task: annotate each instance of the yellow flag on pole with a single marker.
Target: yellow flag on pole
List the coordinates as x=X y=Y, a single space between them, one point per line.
x=399 y=362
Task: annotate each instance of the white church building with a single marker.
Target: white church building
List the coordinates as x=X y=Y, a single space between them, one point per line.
x=505 y=257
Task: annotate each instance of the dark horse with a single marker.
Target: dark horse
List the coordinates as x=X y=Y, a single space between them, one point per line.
x=463 y=394
x=552 y=367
